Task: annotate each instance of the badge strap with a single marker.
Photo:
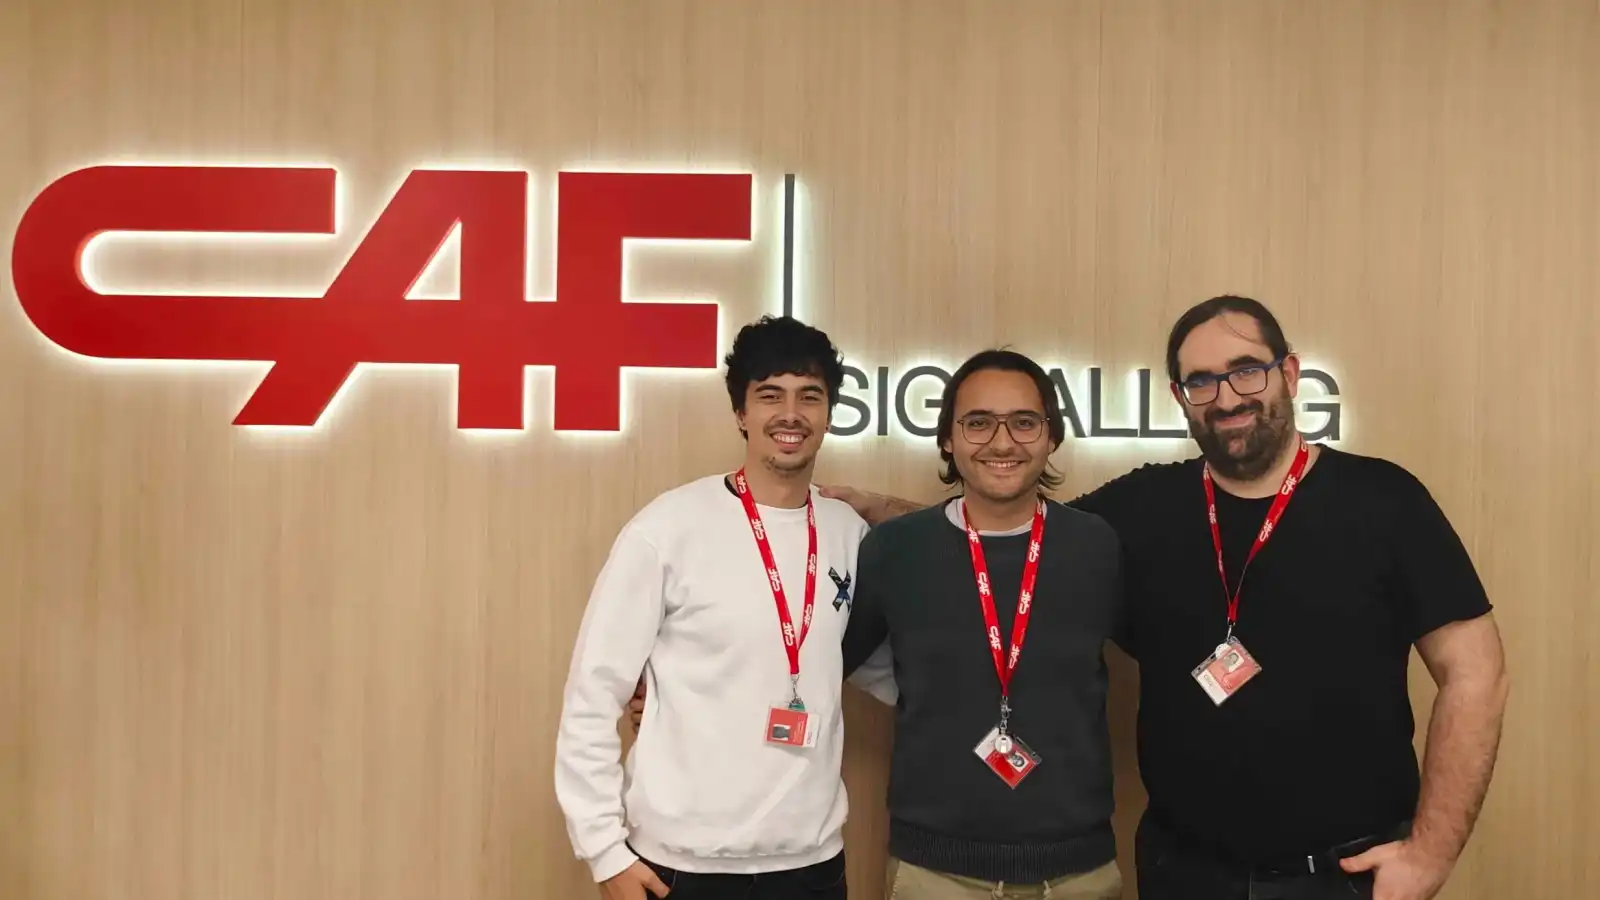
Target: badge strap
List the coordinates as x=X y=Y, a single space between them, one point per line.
x=791 y=642
x=1280 y=502
x=1005 y=665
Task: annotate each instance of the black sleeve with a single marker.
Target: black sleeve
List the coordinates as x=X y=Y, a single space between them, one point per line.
x=1121 y=628
x=1435 y=577
x=1123 y=502
x=1094 y=501
x=1118 y=500
x=868 y=627
x=1109 y=545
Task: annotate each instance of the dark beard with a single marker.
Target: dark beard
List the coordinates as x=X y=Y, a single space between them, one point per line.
x=1262 y=443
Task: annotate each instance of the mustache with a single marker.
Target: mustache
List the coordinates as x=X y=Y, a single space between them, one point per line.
x=796 y=425
x=1217 y=415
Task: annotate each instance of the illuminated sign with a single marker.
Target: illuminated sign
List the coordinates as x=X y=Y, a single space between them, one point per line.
x=371 y=314
x=492 y=334
x=883 y=401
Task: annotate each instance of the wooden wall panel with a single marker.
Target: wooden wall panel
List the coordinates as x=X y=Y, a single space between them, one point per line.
x=329 y=665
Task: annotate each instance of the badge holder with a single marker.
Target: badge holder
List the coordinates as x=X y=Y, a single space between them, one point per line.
x=791 y=726
x=1004 y=753
x=1226 y=670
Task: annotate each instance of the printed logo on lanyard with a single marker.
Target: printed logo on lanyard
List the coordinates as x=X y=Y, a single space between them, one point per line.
x=787 y=725
x=1230 y=665
x=1003 y=752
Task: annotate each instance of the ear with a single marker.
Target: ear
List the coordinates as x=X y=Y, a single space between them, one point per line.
x=1177 y=395
x=1291 y=374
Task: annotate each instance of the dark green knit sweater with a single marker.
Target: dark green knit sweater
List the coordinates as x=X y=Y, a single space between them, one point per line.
x=948 y=811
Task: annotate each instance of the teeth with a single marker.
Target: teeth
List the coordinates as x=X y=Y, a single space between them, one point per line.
x=789 y=438
x=1001 y=464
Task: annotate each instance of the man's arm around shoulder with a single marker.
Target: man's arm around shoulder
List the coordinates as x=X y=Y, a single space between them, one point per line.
x=1108 y=501
x=874 y=508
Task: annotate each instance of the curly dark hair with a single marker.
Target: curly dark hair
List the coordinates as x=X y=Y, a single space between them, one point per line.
x=781 y=345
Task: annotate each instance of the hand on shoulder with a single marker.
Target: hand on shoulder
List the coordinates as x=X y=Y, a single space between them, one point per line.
x=873 y=507
x=860 y=501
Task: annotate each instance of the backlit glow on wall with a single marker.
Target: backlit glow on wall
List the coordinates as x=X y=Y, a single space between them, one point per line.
x=491 y=334
x=903 y=401
x=444 y=280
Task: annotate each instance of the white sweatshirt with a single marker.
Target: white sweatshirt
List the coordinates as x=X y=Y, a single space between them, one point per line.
x=684 y=597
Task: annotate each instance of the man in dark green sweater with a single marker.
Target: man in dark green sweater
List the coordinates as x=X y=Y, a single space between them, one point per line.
x=996 y=605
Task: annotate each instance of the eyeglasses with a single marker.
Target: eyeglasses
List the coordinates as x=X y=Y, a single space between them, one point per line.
x=1245 y=380
x=980 y=428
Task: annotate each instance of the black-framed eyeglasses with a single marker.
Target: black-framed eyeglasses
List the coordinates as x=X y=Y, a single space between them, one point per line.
x=980 y=428
x=1245 y=380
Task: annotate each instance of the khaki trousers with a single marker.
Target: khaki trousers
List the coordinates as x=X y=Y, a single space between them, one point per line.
x=908 y=882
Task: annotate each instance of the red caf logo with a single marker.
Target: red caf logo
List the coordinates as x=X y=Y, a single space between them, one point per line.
x=588 y=334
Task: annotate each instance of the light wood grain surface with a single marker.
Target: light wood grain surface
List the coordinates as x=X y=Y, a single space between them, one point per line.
x=237 y=666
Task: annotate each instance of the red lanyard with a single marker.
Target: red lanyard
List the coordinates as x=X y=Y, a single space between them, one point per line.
x=1004 y=666
x=1280 y=502
x=791 y=642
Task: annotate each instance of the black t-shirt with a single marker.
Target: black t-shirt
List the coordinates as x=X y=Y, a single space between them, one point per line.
x=1317 y=748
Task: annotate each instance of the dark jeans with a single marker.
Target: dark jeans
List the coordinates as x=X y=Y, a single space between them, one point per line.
x=822 y=881
x=1170 y=869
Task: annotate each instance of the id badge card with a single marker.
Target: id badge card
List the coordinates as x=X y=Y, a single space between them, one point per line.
x=791 y=728
x=1007 y=756
x=1226 y=670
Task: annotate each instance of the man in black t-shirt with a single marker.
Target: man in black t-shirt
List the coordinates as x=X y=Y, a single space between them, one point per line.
x=1275 y=726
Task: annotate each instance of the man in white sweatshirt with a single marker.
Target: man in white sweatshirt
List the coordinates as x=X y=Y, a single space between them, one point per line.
x=731 y=593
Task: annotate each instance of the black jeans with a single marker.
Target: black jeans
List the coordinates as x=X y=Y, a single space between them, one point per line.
x=1168 y=869
x=823 y=881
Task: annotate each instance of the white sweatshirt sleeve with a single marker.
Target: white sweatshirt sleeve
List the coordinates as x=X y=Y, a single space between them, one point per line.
x=876 y=676
x=614 y=642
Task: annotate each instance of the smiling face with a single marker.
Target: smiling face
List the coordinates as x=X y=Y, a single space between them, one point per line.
x=1000 y=440
x=785 y=418
x=1239 y=405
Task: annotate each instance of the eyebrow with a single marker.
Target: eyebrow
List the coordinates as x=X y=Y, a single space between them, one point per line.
x=803 y=389
x=1248 y=359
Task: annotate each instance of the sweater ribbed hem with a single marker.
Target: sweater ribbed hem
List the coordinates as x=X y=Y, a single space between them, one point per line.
x=1012 y=863
x=648 y=849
